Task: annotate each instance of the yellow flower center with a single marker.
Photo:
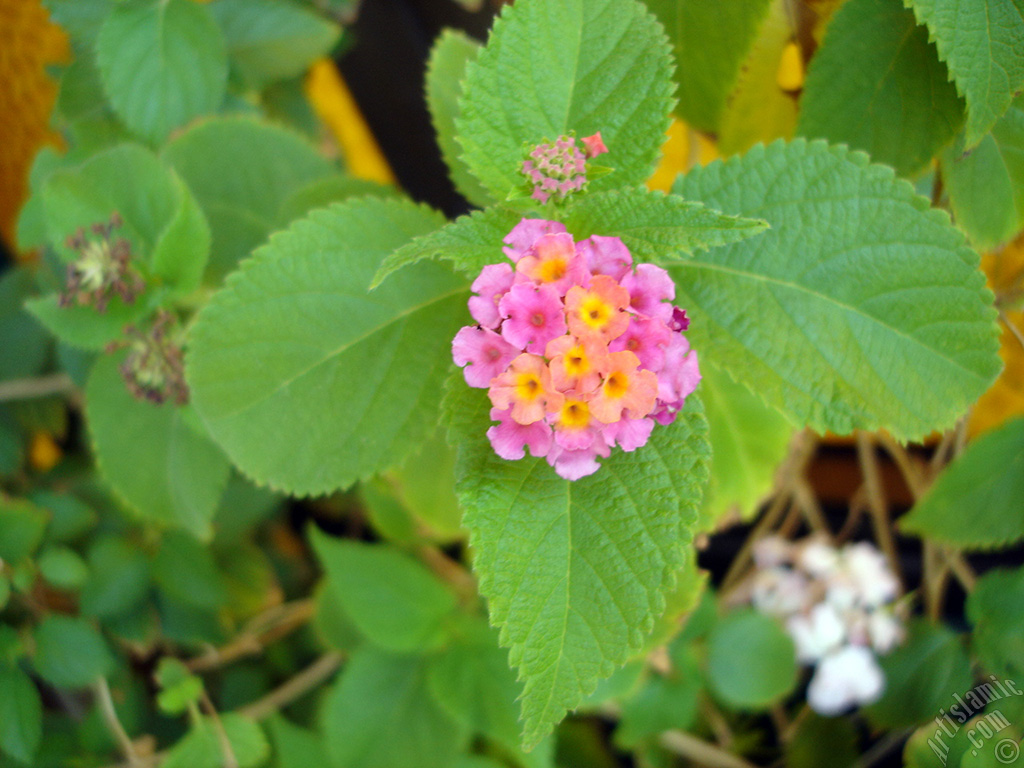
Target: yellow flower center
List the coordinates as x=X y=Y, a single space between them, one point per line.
x=575 y=414
x=576 y=361
x=616 y=385
x=552 y=270
x=528 y=386
x=595 y=311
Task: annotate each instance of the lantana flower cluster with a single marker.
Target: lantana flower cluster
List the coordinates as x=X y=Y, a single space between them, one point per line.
x=838 y=606
x=580 y=351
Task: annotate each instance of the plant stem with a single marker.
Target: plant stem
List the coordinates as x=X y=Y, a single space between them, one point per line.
x=113 y=723
x=877 y=505
x=692 y=748
x=28 y=389
x=264 y=629
x=294 y=688
x=230 y=761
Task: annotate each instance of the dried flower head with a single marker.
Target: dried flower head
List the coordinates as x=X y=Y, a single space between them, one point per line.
x=154 y=369
x=103 y=268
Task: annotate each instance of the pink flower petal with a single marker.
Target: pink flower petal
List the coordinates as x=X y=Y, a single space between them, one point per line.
x=484 y=353
x=526 y=232
x=510 y=439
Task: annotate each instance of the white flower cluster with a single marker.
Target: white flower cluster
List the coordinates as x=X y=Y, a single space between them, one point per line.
x=837 y=606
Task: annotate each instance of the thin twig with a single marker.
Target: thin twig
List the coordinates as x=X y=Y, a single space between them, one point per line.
x=263 y=630
x=113 y=723
x=44 y=386
x=450 y=571
x=905 y=463
x=808 y=503
x=961 y=569
x=228 y=752
x=877 y=505
x=294 y=688
x=699 y=751
x=1013 y=328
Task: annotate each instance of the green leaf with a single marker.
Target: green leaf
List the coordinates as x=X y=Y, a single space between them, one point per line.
x=179 y=688
x=984 y=485
x=185 y=569
x=164 y=469
x=980 y=42
x=575 y=573
x=163 y=63
x=426 y=485
x=272 y=40
x=294 y=334
x=657 y=227
x=296 y=747
x=751 y=661
x=70 y=517
x=82 y=19
x=63 y=568
x=897 y=103
x=818 y=741
x=201 y=748
x=242 y=171
x=85 y=328
x=381 y=714
x=22 y=525
x=986 y=185
x=470 y=243
x=551 y=68
x=119 y=578
x=663 y=703
x=446 y=69
x=179 y=256
x=393 y=600
x=710 y=42
x=23 y=340
x=871 y=312
x=472 y=681
x=748 y=442
x=21 y=714
x=921 y=677
x=330 y=189
x=758 y=110
x=70 y=653
x=994 y=610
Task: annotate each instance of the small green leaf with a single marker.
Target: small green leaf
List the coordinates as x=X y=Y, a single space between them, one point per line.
x=23 y=340
x=980 y=42
x=662 y=703
x=272 y=40
x=22 y=525
x=986 y=185
x=393 y=600
x=921 y=677
x=179 y=256
x=470 y=243
x=70 y=653
x=748 y=442
x=871 y=312
x=21 y=714
x=85 y=328
x=161 y=466
x=897 y=103
x=380 y=713
x=163 y=63
x=70 y=517
x=472 y=681
x=984 y=485
x=296 y=747
x=201 y=748
x=446 y=68
x=185 y=568
x=710 y=41
x=551 y=68
x=180 y=689
x=63 y=568
x=346 y=383
x=994 y=610
x=242 y=171
x=657 y=227
x=119 y=578
x=575 y=573
x=751 y=660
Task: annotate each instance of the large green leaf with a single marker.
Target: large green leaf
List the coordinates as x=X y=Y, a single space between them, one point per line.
x=575 y=572
x=859 y=308
x=877 y=84
x=710 y=41
x=994 y=610
x=381 y=714
x=162 y=466
x=163 y=63
x=985 y=486
x=655 y=226
x=578 y=65
x=21 y=714
x=986 y=185
x=70 y=653
x=392 y=599
x=271 y=40
x=309 y=382
x=980 y=41
x=242 y=171
x=446 y=68
x=748 y=442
